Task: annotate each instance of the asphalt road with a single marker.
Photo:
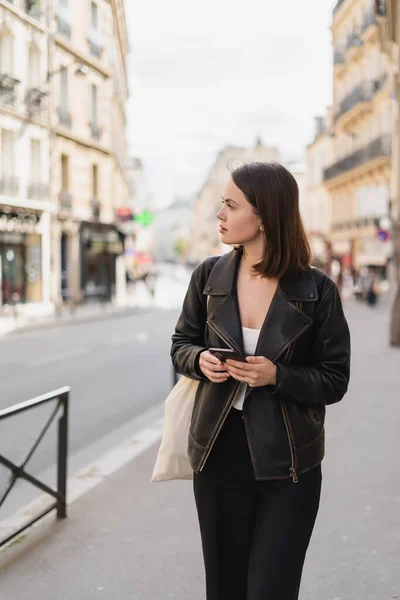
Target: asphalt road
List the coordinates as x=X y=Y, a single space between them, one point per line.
x=119 y=373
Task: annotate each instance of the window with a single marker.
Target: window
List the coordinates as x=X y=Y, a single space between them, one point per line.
x=6 y=54
x=95 y=181
x=34 y=79
x=36 y=171
x=63 y=3
x=7 y=153
x=64 y=173
x=94 y=16
x=64 y=88
x=94 y=101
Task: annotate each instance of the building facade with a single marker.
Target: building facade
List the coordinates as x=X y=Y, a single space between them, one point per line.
x=358 y=179
x=88 y=47
x=25 y=204
x=63 y=89
x=206 y=237
x=317 y=205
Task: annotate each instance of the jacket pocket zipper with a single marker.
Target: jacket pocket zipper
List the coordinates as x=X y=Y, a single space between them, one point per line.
x=292 y=469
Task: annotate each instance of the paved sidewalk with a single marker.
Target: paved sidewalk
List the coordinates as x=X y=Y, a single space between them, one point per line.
x=131 y=539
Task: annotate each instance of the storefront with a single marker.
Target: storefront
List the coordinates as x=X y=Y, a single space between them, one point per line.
x=101 y=244
x=20 y=257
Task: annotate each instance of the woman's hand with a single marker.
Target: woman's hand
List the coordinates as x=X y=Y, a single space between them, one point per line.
x=256 y=371
x=212 y=367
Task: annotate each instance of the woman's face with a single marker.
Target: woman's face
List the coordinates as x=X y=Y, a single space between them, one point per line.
x=238 y=223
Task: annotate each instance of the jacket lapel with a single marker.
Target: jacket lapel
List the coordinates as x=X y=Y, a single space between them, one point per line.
x=284 y=323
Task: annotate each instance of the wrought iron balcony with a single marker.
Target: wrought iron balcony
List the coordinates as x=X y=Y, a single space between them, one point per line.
x=380 y=147
x=96 y=208
x=95 y=131
x=362 y=93
x=8 y=94
x=38 y=191
x=63 y=26
x=9 y=186
x=64 y=201
x=64 y=116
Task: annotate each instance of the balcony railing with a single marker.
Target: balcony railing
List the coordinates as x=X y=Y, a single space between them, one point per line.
x=63 y=26
x=38 y=191
x=65 y=201
x=64 y=117
x=95 y=131
x=9 y=186
x=8 y=96
x=362 y=93
x=96 y=208
x=380 y=147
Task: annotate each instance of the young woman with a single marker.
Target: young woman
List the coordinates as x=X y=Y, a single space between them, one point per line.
x=256 y=439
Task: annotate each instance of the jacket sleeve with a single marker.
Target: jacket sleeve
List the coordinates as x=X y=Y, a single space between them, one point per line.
x=326 y=380
x=188 y=341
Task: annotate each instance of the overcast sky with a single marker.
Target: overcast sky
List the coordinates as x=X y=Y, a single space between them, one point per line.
x=206 y=74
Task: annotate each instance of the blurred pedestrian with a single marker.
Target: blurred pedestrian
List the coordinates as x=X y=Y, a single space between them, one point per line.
x=256 y=439
x=373 y=289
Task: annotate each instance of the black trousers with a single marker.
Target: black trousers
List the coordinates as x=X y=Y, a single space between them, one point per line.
x=254 y=534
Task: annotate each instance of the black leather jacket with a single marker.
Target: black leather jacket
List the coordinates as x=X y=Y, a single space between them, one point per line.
x=305 y=334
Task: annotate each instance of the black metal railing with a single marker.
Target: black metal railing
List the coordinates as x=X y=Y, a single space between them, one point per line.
x=9 y=186
x=38 y=190
x=379 y=147
x=64 y=117
x=18 y=471
x=63 y=27
x=64 y=201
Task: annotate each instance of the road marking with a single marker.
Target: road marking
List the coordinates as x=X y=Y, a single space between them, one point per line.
x=38 y=362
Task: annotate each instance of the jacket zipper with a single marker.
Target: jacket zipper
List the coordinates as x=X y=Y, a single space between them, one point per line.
x=292 y=469
x=228 y=405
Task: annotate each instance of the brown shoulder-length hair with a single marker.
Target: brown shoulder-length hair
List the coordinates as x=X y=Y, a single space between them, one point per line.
x=274 y=195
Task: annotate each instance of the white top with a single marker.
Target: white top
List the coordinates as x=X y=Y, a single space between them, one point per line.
x=250 y=339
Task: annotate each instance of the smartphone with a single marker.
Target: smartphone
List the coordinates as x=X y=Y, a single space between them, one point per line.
x=224 y=353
